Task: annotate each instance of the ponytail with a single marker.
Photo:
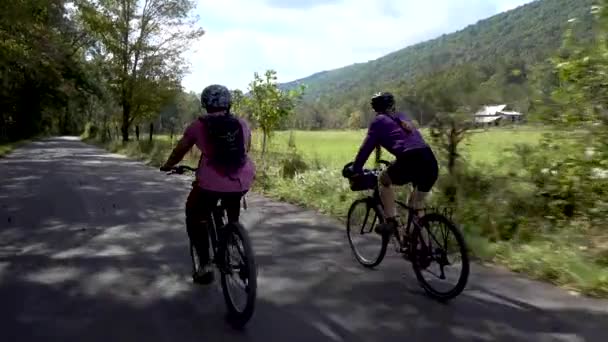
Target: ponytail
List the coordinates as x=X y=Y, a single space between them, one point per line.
x=378 y=154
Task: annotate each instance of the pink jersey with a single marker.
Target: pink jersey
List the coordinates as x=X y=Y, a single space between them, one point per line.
x=207 y=177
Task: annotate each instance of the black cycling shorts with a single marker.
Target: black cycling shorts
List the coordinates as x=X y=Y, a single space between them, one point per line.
x=418 y=166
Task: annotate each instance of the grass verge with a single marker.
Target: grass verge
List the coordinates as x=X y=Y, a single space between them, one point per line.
x=8 y=147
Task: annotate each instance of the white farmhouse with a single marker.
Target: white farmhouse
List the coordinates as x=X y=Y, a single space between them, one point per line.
x=496 y=114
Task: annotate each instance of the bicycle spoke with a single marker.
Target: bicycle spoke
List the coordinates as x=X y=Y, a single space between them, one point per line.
x=443 y=249
x=238 y=248
x=365 y=221
x=449 y=279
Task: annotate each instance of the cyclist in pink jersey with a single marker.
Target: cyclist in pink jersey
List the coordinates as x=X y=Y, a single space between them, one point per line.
x=225 y=171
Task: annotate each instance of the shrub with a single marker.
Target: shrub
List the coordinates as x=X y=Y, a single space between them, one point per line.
x=90 y=131
x=293 y=164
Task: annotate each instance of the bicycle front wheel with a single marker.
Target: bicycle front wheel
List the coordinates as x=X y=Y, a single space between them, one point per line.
x=239 y=268
x=368 y=247
x=437 y=241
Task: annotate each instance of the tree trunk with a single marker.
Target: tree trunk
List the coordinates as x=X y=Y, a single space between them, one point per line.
x=264 y=135
x=151 y=130
x=126 y=114
x=137 y=132
x=452 y=152
x=64 y=122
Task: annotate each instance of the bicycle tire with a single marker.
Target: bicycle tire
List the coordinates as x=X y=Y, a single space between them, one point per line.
x=195 y=257
x=192 y=258
x=465 y=270
x=237 y=317
x=362 y=260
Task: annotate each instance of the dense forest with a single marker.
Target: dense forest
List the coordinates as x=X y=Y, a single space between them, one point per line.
x=508 y=51
x=105 y=66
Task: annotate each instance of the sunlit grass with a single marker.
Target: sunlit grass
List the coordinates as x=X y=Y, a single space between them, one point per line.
x=336 y=148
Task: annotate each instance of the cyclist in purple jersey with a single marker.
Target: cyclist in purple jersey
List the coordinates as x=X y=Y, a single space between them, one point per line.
x=415 y=161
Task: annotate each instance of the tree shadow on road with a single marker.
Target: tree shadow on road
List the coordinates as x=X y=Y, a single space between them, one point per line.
x=94 y=248
x=308 y=267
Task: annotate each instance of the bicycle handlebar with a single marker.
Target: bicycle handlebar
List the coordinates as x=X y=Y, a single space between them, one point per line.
x=376 y=170
x=180 y=169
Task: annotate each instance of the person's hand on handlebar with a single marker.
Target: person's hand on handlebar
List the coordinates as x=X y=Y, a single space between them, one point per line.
x=350 y=171
x=180 y=169
x=166 y=168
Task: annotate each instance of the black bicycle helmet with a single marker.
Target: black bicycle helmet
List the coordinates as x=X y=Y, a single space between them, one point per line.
x=383 y=101
x=217 y=97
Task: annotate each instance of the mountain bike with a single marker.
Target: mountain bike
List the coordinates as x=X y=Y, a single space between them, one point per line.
x=225 y=238
x=415 y=240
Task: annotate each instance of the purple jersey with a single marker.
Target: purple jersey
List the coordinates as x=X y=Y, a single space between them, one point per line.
x=388 y=133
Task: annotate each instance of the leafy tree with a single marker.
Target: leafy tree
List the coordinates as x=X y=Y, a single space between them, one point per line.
x=448 y=130
x=238 y=102
x=568 y=171
x=450 y=98
x=270 y=105
x=142 y=43
x=42 y=70
x=355 y=120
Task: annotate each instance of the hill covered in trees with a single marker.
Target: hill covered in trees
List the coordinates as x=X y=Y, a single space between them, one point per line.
x=504 y=52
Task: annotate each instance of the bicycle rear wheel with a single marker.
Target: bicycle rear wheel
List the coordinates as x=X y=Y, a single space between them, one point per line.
x=368 y=247
x=431 y=243
x=239 y=262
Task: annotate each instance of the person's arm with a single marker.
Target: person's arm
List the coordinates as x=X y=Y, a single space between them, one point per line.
x=370 y=142
x=183 y=146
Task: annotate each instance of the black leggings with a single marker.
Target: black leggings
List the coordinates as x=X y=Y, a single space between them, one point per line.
x=199 y=206
x=418 y=167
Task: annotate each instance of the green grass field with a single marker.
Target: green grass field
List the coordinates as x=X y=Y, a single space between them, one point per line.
x=336 y=148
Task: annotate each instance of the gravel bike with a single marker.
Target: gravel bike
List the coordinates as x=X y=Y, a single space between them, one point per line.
x=226 y=238
x=415 y=240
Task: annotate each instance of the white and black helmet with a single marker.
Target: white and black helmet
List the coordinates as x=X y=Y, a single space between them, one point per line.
x=383 y=101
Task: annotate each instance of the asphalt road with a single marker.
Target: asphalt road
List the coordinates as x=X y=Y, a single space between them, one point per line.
x=93 y=248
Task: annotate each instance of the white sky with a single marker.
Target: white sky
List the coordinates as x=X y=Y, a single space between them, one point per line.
x=300 y=37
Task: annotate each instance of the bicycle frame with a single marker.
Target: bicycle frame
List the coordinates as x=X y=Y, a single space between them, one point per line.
x=216 y=223
x=410 y=226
